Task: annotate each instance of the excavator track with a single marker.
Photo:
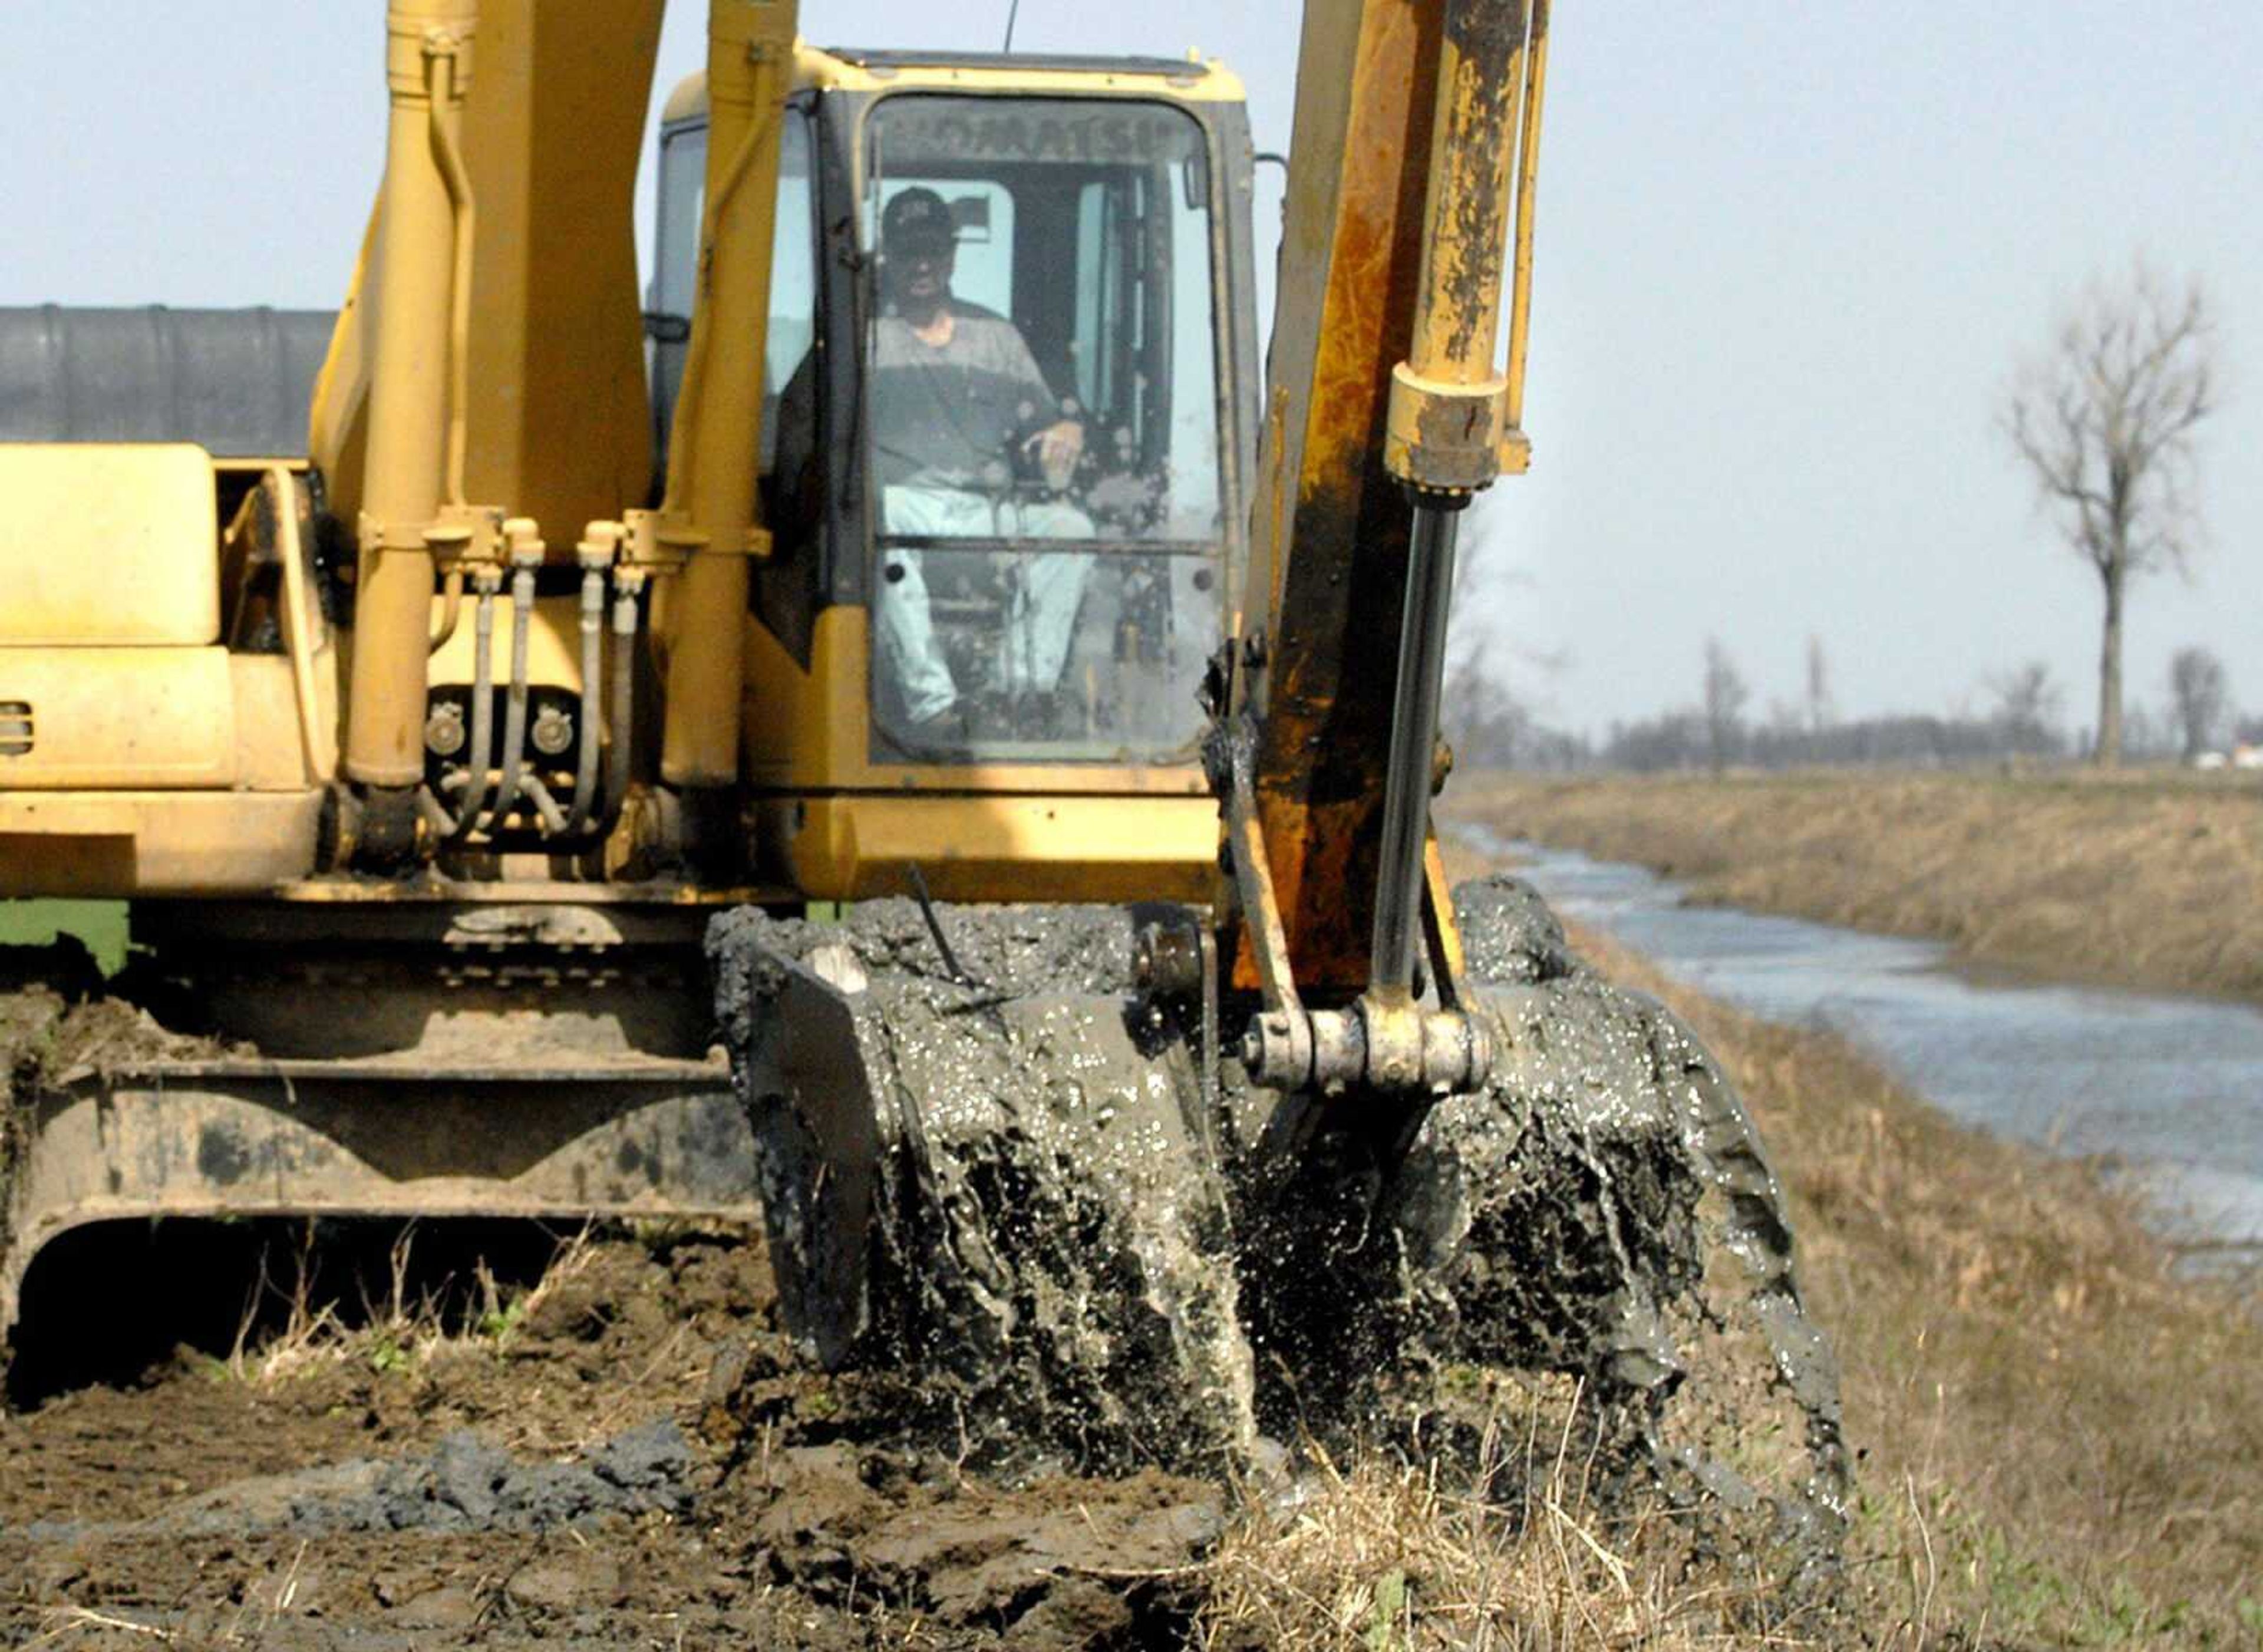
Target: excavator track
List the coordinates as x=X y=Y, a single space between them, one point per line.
x=523 y=1060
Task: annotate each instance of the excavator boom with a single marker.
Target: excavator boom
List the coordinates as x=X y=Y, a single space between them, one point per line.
x=1386 y=415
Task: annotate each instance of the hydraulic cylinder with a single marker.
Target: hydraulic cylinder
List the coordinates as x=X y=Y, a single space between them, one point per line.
x=427 y=71
x=715 y=446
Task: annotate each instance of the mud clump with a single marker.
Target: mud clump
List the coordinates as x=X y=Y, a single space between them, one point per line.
x=56 y=1024
x=1083 y=1247
x=1055 y=1558
x=465 y=1483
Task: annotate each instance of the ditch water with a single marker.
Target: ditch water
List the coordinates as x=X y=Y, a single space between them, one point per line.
x=2171 y=1088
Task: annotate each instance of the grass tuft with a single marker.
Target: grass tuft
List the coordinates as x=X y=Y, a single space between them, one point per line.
x=292 y=1325
x=1383 y=1555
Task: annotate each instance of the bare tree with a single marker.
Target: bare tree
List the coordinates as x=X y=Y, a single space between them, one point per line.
x=2026 y=707
x=2104 y=418
x=1725 y=695
x=1489 y=727
x=2201 y=692
x=1820 y=711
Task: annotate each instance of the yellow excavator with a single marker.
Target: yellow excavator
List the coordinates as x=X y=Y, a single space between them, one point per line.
x=424 y=746
x=897 y=730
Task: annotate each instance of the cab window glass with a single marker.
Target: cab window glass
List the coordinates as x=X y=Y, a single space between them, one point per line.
x=793 y=271
x=1041 y=422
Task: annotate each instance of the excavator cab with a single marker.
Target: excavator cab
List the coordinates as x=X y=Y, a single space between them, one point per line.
x=999 y=564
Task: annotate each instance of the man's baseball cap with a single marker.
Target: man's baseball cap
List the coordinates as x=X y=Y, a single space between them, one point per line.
x=917 y=219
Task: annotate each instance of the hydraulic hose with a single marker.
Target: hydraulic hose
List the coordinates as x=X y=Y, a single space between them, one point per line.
x=452 y=609
x=482 y=757
x=1414 y=743
x=455 y=825
x=546 y=806
x=593 y=663
x=514 y=725
x=621 y=709
x=320 y=745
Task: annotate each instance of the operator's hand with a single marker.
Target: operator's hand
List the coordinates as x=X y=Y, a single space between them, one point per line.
x=1057 y=448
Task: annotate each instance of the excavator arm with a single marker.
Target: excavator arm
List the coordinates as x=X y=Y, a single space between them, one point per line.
x=1415 y=146
x=1024 y=1138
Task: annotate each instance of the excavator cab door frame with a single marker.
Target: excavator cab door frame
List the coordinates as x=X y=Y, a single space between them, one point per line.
x=820 y=496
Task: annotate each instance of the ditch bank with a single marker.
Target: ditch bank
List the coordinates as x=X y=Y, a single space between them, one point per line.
x=2153 y=880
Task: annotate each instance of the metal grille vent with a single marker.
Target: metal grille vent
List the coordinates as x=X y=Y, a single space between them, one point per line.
x=15 y=728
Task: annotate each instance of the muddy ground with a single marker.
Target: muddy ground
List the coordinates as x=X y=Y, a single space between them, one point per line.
x=633 y=1462
x=626 y=1454
x=634 y=1453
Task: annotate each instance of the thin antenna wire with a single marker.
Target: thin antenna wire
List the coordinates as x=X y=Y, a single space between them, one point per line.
x=1012 y=11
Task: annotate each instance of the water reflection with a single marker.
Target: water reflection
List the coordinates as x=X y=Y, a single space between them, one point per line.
x=2174 y=1085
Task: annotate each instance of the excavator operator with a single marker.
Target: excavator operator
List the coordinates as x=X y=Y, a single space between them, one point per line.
x=960 y=412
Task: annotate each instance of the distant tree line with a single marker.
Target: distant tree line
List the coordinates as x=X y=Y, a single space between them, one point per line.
x=2020 y=720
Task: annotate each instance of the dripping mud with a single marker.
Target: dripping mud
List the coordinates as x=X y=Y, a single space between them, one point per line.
x=1102 y=1325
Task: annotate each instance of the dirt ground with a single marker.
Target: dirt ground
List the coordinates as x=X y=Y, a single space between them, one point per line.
x=624 y=1447
x=633 y=1461
x=620 y=1449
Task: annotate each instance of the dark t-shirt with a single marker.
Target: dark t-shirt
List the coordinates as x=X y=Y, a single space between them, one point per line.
x=942 y=416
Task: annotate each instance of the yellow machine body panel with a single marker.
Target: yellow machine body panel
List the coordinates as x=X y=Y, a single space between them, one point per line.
x=997 y=847
x=139 y=752
x=107 y=546
x=109 y=845
x=119 y=717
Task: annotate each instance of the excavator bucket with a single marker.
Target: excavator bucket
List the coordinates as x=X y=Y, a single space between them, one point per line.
x=985 y=1159
x=991 y=1161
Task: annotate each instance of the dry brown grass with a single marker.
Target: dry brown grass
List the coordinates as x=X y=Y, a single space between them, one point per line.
x=2152 y=879
x=1386 y=1554
x=401 y=1327
x=2060 y=1442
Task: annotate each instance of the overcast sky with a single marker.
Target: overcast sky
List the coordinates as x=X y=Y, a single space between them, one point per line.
x=1788 y=256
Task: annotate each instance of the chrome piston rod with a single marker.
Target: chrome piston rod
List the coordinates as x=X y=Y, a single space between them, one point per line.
x=1413 y=746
